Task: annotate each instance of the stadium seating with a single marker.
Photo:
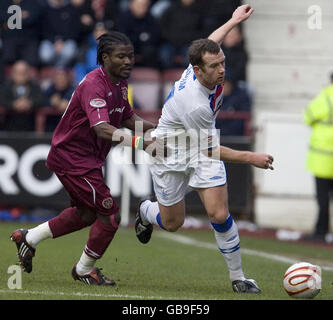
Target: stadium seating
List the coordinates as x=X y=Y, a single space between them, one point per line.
x=2 y=115
x=33 y=72
x=146 y=84
x=149 y=87
x=289 y=68
x=168 y=78
x=41 y=116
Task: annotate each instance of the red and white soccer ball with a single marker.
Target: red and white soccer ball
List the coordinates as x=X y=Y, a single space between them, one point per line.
x=302 y=280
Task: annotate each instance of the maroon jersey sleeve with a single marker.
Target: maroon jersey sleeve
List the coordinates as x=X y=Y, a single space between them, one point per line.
x=93 y=102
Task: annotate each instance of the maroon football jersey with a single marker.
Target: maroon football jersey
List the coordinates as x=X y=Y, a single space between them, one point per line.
x=76 y=149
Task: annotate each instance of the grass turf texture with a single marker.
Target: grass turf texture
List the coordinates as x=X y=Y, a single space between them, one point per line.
x=163 y=269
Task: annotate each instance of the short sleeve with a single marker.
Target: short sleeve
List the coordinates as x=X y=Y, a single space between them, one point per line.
x=201 y=123
x=94 y=103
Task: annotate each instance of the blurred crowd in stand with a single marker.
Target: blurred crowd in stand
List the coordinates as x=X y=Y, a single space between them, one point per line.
x=41 y=63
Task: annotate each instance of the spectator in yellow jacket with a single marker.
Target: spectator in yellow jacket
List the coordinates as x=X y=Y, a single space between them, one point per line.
x=319 y=116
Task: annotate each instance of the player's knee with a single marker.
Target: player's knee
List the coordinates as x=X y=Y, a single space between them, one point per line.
x=87 y=215
x=219 y=215
x=173 y=225
x=172 y=228
x=112 y=220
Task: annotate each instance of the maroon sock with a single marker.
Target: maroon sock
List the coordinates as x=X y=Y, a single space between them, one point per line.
x=100 y=237
x=66 y=222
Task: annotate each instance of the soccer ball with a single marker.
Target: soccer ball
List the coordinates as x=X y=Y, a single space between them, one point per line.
x=302 y=280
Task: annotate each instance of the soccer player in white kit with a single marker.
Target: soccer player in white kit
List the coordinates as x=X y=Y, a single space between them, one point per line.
x=187 y=124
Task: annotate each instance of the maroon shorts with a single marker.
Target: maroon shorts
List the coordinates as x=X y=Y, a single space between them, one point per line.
x=90 y=191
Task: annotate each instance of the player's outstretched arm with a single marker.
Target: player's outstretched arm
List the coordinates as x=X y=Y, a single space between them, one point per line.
x=110 y=133
x=242 y=13
x=259 y=160
x=136 y=123
x=149 y=144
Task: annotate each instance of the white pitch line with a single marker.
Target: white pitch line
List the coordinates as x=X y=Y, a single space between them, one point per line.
x=206 y=245
x=81 y=294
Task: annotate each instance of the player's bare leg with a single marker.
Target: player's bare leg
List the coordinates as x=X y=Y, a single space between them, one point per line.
x=172 y=217
x=215 y=201
x=150 y=213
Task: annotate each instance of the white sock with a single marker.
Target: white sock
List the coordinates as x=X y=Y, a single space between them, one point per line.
x=38 y=234
x=85 y=265
x=149 y=211
x=229 y=244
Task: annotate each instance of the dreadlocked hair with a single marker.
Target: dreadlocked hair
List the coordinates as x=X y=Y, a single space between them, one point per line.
x=107 y=42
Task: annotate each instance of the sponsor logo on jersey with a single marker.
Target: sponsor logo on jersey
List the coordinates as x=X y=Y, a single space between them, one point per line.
x=97 y=103
x=117 y=110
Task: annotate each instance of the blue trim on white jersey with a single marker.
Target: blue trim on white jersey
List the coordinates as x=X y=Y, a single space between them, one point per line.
x=171 y=93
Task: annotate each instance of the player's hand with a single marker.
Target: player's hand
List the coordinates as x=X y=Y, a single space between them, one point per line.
x=242 y=13
x=261 y=160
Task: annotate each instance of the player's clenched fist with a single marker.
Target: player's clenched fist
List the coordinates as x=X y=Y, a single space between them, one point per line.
x=262 y=160
x=242 y=13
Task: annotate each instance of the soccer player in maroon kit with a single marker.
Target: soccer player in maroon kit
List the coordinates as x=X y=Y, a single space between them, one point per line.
x=81 y=142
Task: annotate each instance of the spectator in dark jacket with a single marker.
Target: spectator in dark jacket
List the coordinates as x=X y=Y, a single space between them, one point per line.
x=87 y=18
x=235 y=99
x=217 y=12
x=2 y=79
x=21 y=97
x=235 y=53
x=21 y=44
x=87 y=56
x=143 y=30
x=58 y=95
x=111 y=13
x=180 y=25
x=2 y=67
x=60 y=33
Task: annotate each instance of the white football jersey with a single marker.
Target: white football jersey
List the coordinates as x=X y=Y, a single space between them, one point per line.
x=188 y=119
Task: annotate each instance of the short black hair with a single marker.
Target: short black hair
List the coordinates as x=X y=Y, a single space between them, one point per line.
x=198 y=48
x=107 y=42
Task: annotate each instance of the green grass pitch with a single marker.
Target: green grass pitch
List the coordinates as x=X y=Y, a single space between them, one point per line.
x=179 y=266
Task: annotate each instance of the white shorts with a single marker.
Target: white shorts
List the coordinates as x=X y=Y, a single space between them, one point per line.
x=171 y=186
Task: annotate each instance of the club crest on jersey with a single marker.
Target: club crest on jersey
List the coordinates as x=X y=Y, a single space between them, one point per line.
x=124 y=92
x=107 y=203
x=97 y=103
